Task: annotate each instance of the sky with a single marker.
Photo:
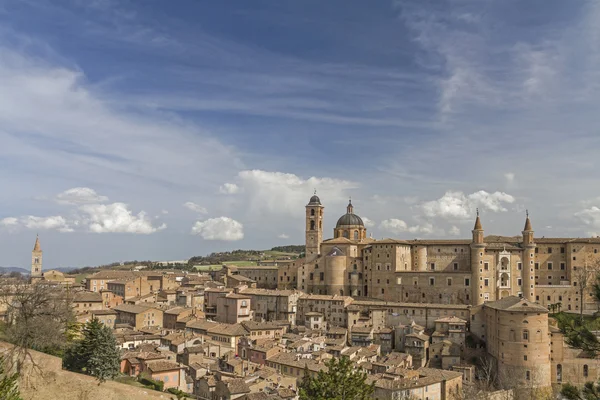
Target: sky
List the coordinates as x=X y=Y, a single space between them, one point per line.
x=162 y=130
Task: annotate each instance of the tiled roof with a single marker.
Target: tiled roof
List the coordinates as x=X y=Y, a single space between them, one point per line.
x=161 y=366
x=87 y=297
x=514 y=303
x=132 y=308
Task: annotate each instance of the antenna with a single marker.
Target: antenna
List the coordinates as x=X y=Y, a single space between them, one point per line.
x=477 y=209
x=527 y=213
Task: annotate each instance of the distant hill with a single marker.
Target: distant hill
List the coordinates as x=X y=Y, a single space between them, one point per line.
x=279 y=252
x=8 y=270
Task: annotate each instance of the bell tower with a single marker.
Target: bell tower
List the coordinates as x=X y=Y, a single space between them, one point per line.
x=314 y=227
x=36 y=261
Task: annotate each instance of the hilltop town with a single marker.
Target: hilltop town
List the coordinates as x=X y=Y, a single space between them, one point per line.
x=424 y=318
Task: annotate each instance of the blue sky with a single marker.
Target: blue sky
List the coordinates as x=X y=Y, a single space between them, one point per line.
x=161 y=130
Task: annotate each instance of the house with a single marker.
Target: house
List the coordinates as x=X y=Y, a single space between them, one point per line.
x=87 y=301
x=106 y=317
x=173 y=315
x=169 y=372
x=139 y=316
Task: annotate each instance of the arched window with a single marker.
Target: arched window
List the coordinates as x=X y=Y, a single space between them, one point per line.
x=526 y=335
x=585 y=371
x=312 y=212
x=559 y=373
x=312 y=225
x=355 y=235
x=341 y=292
x=347 y=234
x=511 y=335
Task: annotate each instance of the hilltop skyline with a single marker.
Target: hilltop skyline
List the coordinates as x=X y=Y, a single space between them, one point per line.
x=146 y=131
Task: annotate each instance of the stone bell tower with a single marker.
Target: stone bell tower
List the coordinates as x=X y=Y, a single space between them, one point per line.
x=36 y=261
x=314 y=227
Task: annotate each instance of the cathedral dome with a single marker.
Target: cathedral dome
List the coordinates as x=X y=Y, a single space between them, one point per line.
x=349 y=218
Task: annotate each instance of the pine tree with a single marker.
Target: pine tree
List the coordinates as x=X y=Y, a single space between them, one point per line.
x=96 y=354
x=8 y=384
x=339 y=382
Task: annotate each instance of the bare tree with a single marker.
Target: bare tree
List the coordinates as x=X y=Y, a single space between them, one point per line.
x=38 y=317
x=584 y=277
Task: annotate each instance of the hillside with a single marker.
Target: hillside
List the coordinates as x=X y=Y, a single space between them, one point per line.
x=251 y=256
x=50 y=381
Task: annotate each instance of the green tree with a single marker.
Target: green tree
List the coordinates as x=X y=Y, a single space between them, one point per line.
x=96 y=354
x=590 y=391
x=9 y=389
x=341 y=381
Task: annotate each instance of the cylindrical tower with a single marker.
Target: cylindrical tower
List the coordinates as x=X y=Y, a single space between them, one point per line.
x=528 y=261
x=477 y=252
x=335 y=271
x=521 y=343
x=421 y=257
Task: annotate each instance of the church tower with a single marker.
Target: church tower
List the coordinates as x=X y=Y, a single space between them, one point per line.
x=477 y=253
x=314 y=227
x=36 y=261
x=528 y=261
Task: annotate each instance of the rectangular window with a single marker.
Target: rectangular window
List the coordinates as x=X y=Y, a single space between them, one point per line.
x=486 y=266
x=467 y=281
x=433 y=266
x=562 y=250
x=549 y=266
x=486 y=282
x=449 y=281
x=537 y=265
x=431 y=281
x=322 y=276
x=519 y=266
x=562 y=266
x=549 y=250
x=519 y=282
x=456 y=266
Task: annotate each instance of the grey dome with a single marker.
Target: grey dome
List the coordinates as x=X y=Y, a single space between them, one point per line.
x=349 y=219
x=315 y=200
x=335 y=252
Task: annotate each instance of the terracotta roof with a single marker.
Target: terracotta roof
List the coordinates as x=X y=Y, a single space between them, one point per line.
x=253 y=325
x=514 y=303
x=103 y=312
x=452 y=320
x=132 y=308
x=160 y=366
x=268 y=292
x=237 y=386
x=87 y=297
x=228 y=330
x=177 y=310
x=237 y=296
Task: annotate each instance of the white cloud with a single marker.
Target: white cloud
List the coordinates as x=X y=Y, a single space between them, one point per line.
x=591 y=218
x=54 y=222
x=510 y=177
x=283 y=236
x=278 y=192
x=9 y=221
x=116 y=217
x=195 y=207
x=80 y=195
x=368 y=223
x=222 y=228
x=454 y=231
x=398 y=226
x=229 y=188
x=457 y=205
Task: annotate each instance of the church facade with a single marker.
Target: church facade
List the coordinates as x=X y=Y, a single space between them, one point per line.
x=470 y=272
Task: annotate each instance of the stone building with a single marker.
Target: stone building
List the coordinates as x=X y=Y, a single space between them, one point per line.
x=469 y=272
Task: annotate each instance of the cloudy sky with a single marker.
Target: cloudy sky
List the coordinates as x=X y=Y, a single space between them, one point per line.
x=162 y=130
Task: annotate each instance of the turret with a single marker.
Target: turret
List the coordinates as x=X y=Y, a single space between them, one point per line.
x=528 y=261
x=477 y=253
